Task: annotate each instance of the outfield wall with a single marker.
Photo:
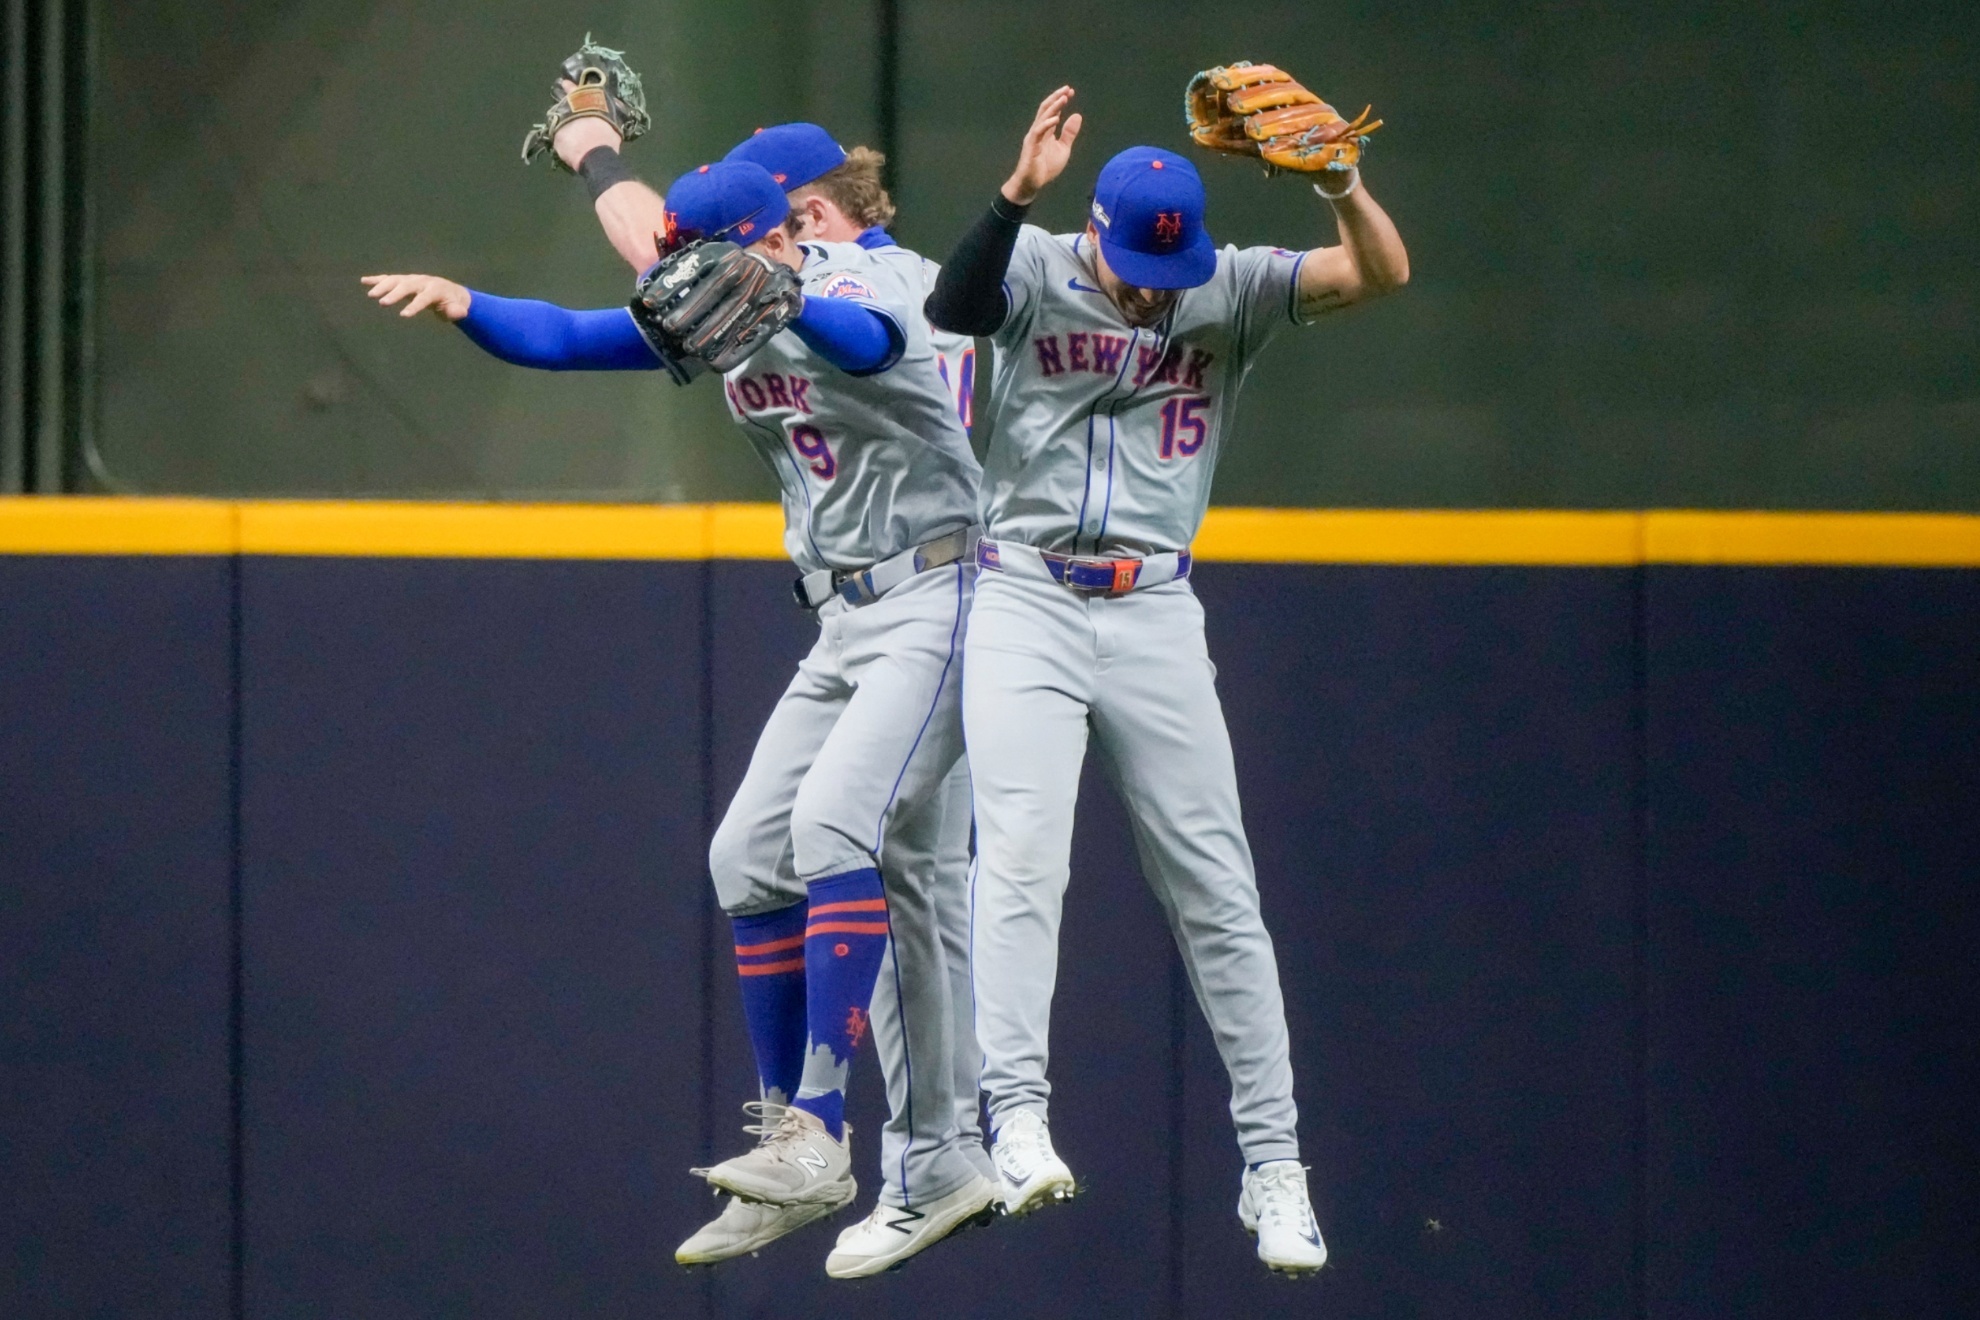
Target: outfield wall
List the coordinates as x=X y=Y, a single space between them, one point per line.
x=357 y=945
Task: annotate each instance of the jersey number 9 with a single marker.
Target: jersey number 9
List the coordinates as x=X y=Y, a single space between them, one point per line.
x=811 y=444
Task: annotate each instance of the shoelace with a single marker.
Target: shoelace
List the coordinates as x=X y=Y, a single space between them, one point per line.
x=778 y=1139
x=769 y=1118
x=1022 y=1140
x=1281 y=1197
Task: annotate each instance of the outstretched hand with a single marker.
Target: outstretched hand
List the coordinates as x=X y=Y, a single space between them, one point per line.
x=443 y=298
x=1047 y=147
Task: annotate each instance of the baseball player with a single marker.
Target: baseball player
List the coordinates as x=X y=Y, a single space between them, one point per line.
x=846 y=783
x=1120 y=350
x=836 y=196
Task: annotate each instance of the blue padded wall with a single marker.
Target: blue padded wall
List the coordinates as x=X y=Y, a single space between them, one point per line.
x=474 y=1014
x=115 y=956
x=1624 y=918
x=1814 y=754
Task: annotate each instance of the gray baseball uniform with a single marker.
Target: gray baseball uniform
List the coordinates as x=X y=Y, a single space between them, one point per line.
x=1103 y=441
x=860 y=763
x=870 y=465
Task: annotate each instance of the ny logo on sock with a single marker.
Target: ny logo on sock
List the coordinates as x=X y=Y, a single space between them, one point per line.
x=855 y=1027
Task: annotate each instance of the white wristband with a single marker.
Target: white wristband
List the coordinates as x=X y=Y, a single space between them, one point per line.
x=1354 y=181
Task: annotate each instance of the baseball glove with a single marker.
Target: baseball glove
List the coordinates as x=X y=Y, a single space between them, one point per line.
x=1247 y=109
x=716 y=303
x=605 y=89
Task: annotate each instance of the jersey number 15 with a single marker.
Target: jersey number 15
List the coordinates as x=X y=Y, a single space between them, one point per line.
x=1184 y=428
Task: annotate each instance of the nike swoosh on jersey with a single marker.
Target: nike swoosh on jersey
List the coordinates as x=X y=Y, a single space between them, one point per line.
x=1077 y=287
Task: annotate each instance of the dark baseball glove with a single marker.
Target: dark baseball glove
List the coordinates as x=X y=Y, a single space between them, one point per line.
x=1247 y=109
x=715 y=303
x=604 y=88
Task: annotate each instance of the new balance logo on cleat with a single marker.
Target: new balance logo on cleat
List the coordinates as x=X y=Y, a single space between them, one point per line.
x=797 y=1162
x=869 y=1248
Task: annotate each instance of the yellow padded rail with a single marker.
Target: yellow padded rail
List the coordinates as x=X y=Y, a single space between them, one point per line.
x=476 y=531
x=62 y=525
x=67 y=525
x=1889 y=540
x=1419 y=536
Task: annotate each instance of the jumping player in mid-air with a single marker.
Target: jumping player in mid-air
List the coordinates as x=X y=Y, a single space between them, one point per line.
x=1119 y=354
x=838 y=196
x=832 y=840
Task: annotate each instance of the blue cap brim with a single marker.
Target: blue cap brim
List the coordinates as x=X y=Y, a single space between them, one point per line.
x=1183 y=269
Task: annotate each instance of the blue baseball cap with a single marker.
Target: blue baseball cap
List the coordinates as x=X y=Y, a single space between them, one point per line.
x=795 y=154
x=733 y=200
x=1148 y=211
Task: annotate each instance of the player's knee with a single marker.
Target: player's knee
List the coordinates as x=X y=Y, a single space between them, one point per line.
x=823 y=841
x=743 y=883
x=1025 y=858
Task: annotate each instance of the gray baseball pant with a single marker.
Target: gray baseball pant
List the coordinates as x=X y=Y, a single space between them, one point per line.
x=1047 y=668
x=860 y=765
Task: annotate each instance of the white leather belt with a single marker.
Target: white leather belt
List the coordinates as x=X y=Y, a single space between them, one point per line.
x=860 y=586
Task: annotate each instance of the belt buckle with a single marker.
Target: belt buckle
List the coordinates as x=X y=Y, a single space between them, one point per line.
x=1119 y=579
x=855 y=587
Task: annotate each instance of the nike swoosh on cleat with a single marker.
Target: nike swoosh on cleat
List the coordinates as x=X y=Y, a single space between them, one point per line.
x=1077 y=287
x=1313 y=1236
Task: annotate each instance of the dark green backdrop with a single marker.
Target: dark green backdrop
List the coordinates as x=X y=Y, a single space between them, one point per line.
x=1685 y=253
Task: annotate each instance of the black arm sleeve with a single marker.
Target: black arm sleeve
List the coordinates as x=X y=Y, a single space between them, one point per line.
x=969 y=293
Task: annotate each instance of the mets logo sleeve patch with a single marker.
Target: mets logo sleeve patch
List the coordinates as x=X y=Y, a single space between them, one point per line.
x=848 y=286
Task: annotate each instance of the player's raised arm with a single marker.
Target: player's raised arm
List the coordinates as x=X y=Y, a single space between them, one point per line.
x=1257 y=110
x=969 y=298
x=633 y=216
x=1369 y=262
x=600 y=106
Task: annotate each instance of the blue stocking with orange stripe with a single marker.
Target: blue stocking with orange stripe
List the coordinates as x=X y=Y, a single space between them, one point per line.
x=770 y=963
x=844 y=940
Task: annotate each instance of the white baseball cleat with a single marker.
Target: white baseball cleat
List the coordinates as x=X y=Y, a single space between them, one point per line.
x=746 y=1227
x=1274 y=1207
x=796 y=1163
x=1031 y=1171
x=885 y=1239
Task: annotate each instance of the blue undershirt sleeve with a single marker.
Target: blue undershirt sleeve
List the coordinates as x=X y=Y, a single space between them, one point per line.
x=539 y=334
x=852 y=337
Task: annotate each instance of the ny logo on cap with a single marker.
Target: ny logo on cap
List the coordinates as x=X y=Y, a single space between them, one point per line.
x=1168 y=226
